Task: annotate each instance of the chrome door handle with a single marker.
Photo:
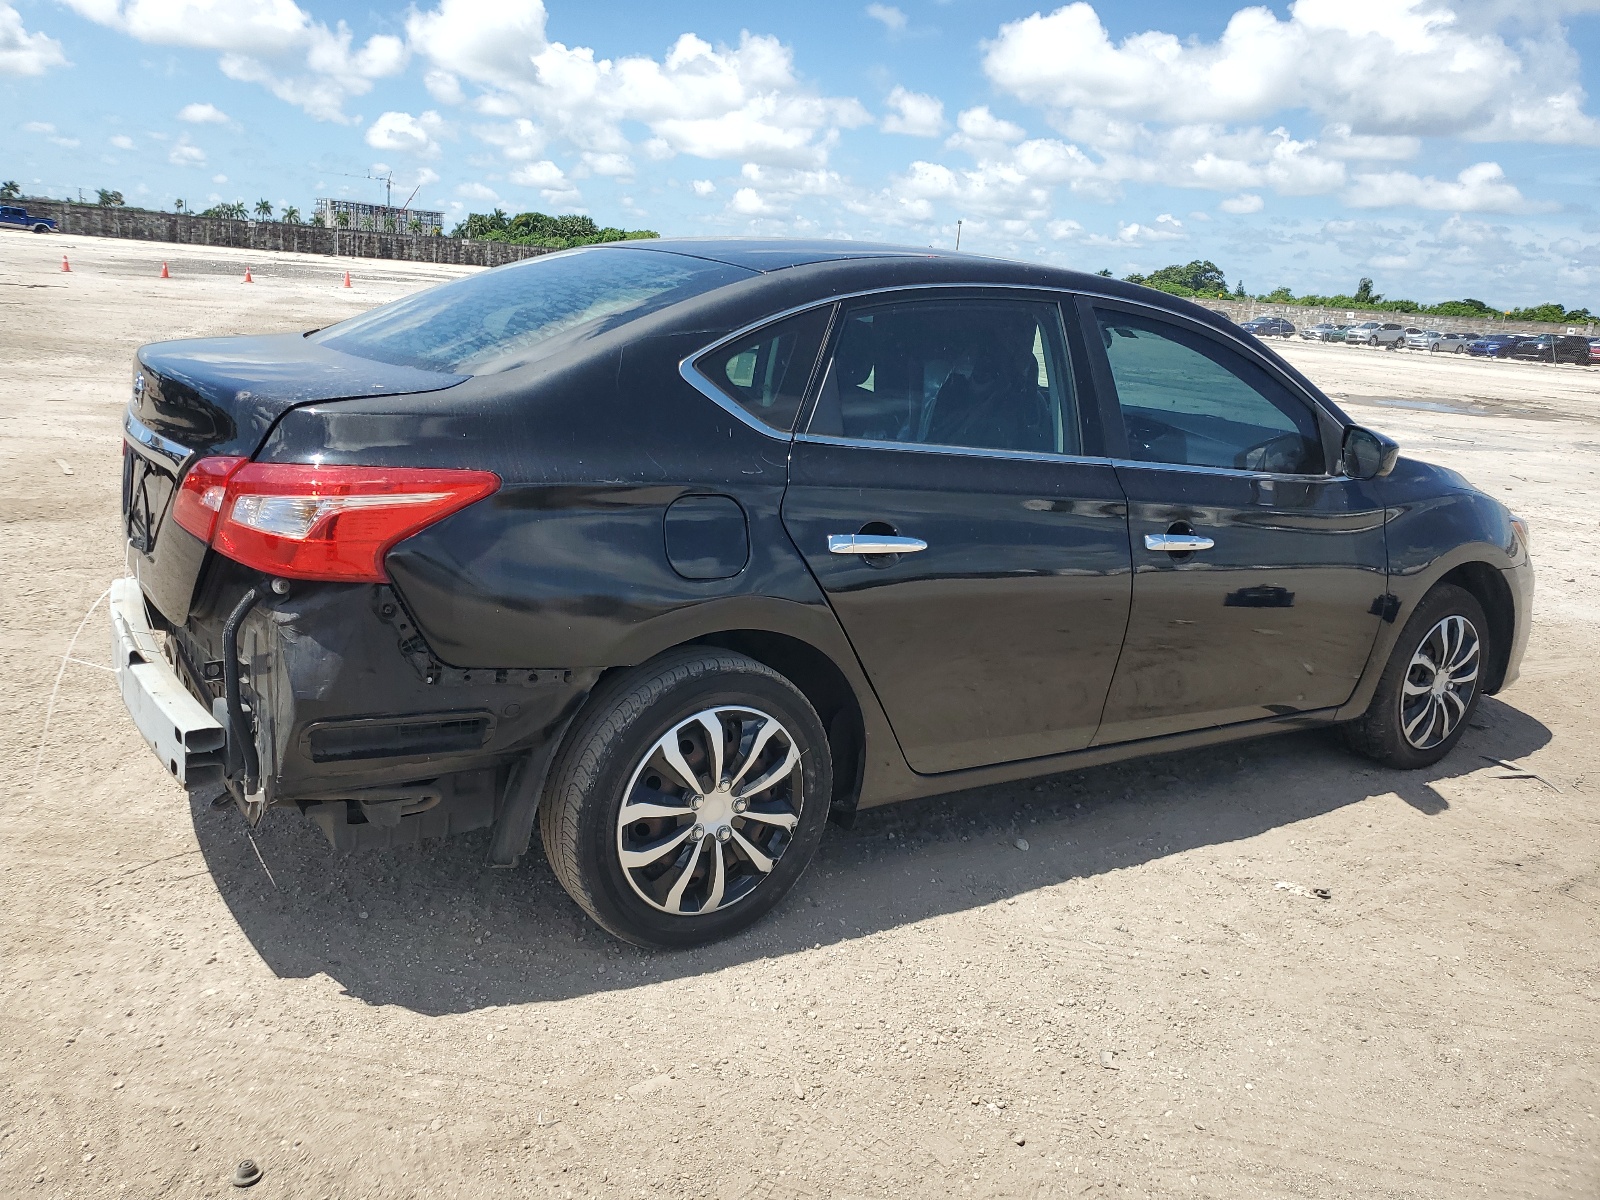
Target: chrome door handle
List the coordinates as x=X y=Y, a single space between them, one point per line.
x=1177 y=543
x=873 y=543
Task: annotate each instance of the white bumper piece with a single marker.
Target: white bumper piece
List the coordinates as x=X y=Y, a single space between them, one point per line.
x=185 y=737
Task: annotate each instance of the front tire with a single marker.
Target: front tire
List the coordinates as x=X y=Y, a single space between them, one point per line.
x=688 y=799
x=1431 y=685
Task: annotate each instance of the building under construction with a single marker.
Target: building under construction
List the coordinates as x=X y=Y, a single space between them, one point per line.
x=381 y=218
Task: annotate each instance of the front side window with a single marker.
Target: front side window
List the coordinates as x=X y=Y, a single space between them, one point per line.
x=979 y=374
x=766 y=372
x=512 y=315
x=1188 y=399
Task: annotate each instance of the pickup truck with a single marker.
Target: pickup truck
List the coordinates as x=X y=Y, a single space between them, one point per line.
x=18 y=218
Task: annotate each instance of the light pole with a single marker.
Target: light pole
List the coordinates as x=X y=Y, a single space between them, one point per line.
x=958 y=234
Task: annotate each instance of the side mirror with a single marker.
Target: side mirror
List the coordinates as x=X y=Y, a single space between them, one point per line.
x=1368 y=455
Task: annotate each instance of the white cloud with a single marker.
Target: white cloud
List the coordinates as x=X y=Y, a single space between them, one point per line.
x=1406 y=67
x=703 y=187
x=273 y=43
x=914 y=113
x=185 y=154
x=47 y=130
x=1482 y=187
x=24 y=53
x=731 y=103
x=550 y=180
x=478 y=191
x=122 y=142
x=444 y=87
x=1243 y=204
x=202 y=114
x=890 y=17
x=748 y=202
x=616 y=166
x=219 y=179
x=401 y=131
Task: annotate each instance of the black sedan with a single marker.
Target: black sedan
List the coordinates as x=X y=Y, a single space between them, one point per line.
x=1269 y=327
x=1553 y=348
x=677 y=548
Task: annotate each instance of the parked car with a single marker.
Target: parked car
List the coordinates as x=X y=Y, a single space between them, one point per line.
x=1375 y=333
x=15 y=217
x=1422 y=339
x=402 y=576
x=1450 y=343
x=1594 y=350
x=1268 y=327
x=1553 y=348
x=1323 y=331
x=1494 y=345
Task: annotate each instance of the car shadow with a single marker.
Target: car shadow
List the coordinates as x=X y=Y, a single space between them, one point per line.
x=433 y=930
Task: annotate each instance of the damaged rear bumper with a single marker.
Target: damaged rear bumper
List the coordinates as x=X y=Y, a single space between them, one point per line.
x=188 y=740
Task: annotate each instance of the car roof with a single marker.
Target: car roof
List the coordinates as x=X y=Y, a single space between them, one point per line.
x=777 y=254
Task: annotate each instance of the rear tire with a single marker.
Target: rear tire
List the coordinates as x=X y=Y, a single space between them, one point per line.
x=1430 y=686
x=690 y=864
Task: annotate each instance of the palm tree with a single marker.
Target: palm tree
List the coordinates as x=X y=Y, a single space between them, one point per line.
x=416 y=224
x=264 y=209
x=318 y=220
x=291 y=215
x=179 y=206
x=342 y=219
x=10 y=190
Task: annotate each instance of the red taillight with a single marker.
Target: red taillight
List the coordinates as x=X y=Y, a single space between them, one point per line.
x=323 y=522
x=198 y=503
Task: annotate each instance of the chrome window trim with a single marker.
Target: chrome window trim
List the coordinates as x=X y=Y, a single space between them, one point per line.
x=1238 y=472
x=700 y=383
x=138 y=432
x=828 y=439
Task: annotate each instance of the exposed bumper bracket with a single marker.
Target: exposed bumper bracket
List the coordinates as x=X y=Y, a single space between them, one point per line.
x=184 y=735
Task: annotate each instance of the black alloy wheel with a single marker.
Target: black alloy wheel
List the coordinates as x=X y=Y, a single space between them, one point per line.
x=688 y=798
x=1431 y=685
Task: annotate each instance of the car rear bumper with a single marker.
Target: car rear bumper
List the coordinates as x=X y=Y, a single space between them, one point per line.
x=188 y=740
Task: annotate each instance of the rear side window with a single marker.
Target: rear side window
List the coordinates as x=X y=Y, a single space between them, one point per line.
x=766 y=372
x=983 y=374
x=512 y=315
x=1190 y=400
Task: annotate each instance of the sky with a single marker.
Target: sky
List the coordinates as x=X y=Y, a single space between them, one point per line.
x=1445 y=148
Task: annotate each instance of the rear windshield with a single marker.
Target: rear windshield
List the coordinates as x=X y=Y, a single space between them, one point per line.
x=514 y=314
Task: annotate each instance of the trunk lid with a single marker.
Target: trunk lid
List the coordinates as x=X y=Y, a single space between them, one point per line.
x=221 y=396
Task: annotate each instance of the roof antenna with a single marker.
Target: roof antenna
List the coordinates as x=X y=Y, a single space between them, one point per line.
x=958 y=233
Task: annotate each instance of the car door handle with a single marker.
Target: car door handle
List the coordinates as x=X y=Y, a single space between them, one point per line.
x=873 y=543
x=1177 y=543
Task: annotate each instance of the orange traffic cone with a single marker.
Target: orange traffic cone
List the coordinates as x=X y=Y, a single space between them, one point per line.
x=347 y=279
x=247 y=278
x=65 y=265
x=164 y=274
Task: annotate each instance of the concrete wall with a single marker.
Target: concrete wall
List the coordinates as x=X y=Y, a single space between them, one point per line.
x=143 y=225
x=1243 y=310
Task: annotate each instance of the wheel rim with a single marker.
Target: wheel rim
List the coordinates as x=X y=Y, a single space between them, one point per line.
x=709 y=811
x=1439 y=683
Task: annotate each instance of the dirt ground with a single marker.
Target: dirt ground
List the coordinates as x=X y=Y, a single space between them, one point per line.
x=1149 y=1000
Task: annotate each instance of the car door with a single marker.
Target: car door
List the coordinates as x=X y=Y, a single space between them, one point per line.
x=960 y=514
x=1259 y=577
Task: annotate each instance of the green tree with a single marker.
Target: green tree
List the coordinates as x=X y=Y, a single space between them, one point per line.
x=341 y=219
x=1239 y=293
x=264 y=209
x=1279 y=296
x=318 y=220
x=1364 y=293
x=1104 y=272
x=416 y=225
x=10 y=190
x=1201 y=277
x=179 y=206
x=109 y=199
x=291 y=215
